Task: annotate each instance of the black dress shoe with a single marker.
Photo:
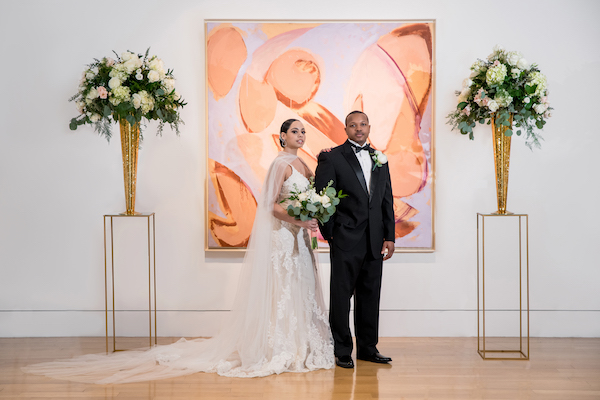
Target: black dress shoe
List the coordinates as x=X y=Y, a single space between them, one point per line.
x=375 y=357
x=344 y=362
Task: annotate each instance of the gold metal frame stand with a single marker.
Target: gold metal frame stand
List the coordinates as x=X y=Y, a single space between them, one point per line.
x=108 y=219
x=522 y=353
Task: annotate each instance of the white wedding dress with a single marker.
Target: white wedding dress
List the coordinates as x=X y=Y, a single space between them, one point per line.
x=278 y=322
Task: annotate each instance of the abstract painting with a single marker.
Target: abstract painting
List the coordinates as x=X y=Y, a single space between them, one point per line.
x=258 y=74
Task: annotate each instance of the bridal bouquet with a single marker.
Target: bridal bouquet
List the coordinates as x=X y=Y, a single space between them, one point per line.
x=503 y=85
x=310 y=204
x=131 y=87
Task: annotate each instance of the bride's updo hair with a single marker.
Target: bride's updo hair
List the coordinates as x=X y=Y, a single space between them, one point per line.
x=284 y=128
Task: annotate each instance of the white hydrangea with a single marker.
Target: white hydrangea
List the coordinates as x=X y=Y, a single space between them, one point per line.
x=495 y=75
x=114 y=83
x=539 y=79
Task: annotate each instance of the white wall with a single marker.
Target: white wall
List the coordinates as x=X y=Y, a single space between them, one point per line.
x=56 y=184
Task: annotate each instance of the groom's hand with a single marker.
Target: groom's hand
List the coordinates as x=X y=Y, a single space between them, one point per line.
x=389 y=246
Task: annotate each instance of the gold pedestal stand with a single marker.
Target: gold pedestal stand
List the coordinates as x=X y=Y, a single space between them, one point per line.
x=487 y=353
x=108 y=220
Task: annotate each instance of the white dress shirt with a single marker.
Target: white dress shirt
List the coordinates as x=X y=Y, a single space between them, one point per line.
x=366 y=164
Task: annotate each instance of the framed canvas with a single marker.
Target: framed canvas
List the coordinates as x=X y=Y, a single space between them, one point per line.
x=260 y=73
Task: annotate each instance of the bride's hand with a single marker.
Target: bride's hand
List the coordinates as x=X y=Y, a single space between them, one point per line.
x=310 y=225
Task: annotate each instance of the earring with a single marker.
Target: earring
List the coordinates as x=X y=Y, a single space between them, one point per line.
x=282 y=141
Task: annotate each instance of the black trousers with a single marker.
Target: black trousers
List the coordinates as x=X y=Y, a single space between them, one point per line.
x=356 y=273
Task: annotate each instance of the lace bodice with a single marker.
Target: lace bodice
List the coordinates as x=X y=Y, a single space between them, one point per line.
x=295 y=182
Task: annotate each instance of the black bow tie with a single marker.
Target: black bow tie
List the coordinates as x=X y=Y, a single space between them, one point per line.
x=358 y=148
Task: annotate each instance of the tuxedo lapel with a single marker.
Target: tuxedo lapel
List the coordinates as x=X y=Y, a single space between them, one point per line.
x=353 y=161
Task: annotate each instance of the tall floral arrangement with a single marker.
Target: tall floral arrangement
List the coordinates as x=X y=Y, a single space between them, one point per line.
x=503 y=84
x=131 y=87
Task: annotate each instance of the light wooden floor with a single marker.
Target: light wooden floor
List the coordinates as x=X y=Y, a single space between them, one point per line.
x=423 y=368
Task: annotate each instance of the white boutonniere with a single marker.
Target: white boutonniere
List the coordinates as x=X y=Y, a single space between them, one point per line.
x=378 y=159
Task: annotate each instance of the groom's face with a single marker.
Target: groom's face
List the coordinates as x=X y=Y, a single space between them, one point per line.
x=358 y=128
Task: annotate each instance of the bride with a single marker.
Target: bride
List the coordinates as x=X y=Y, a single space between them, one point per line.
x=278 y=322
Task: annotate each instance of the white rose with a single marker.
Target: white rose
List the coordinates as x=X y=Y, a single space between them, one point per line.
x=382 y=158
x=522 y=64
x=526 y=100
x=303 y=196
x=139 y=77
x=176 y=96
x=137 y=100
x=467 y=83
x=540 y=108
x=513 y=58
x=153 y=76
x=114 y=83
x=325 y=201
x=92 y=94
x=95 y=117
x=89 y=75
x=296 y=203
x=126 y=56
x=80 y=105
x=464 y=95
x=498 y=48
x=493 y=105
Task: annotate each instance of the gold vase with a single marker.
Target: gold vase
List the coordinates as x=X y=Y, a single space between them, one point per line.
x=130 y=144
x=501 y=161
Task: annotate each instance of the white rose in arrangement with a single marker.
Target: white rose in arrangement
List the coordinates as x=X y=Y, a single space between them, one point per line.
x=133 y=63
x=296 y=204
x=136 y=99
x=153 y=76
x=95 y=117
x=176 y=96
x=522 y=64
x=139 y=77
x=513 y=58
x=493 y=105
x=498 y=48
x=515 y=72
x=467 y=83
x=540 y=108
x=80 y=105
x=325 y=201
x=89 y=75
x=526 y=100
x=92 y=94
x=126 y=56
x=114 y=83
x=464 y=95
x=157 y=65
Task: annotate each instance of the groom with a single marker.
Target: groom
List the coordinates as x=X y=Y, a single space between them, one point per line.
x=360 y=236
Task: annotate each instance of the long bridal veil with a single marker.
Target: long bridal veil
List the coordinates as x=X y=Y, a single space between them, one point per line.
x=256 y=340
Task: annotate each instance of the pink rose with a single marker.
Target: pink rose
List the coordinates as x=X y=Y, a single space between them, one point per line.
x=467 y=110
x=496 y=63
x=102 y=92
x=109 y=61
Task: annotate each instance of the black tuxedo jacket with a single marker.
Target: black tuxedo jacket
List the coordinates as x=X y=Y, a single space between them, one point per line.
x=361 y=210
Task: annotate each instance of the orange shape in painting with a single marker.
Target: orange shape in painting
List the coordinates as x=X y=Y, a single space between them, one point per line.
x=225 y=54
x=258 y=104
x=408 y=164
x=402 y=213
x=327 y=123
x=236 y=202
x=410 y=47
x=295 y=77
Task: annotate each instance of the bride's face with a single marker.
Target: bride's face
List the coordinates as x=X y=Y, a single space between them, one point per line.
x=295 y=136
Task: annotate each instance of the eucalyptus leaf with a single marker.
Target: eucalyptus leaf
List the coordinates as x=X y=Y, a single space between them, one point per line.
x=508 y=132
